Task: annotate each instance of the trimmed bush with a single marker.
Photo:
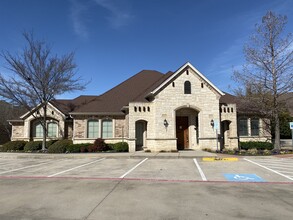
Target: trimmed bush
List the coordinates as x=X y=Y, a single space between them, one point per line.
x=99 y=145
x=257 y=145
x=92 y=149
x=59 y=146
x=33 y=146
x=49 y=143
x=13 y=146
x=121 y=147
x=76 y=148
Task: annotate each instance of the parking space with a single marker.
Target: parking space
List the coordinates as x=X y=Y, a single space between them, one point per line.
x=189 y=169
x=220 y=171
x=166 y=169
x=145 y=188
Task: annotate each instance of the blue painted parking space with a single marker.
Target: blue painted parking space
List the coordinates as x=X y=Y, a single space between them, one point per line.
x=243 y=177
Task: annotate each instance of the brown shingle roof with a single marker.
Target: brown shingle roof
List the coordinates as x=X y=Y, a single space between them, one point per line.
x=133 y=89
x=228 y=99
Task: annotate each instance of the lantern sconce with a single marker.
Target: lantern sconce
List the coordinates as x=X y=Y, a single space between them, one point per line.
x=166 y=123
x=212 y=123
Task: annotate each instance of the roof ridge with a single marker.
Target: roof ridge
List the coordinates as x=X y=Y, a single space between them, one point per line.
x=148 y=87
x=128 y=79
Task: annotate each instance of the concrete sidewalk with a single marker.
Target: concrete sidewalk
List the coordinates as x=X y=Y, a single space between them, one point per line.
x=138 y=154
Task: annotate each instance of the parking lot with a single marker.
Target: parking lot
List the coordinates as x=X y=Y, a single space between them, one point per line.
x=191 y=169
x=143 y=188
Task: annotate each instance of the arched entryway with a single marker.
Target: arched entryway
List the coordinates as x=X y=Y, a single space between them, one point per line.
x=225 y=133
x=187 y=128
x=140 y=134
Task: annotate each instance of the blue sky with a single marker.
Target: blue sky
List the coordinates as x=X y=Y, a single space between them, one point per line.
x=115 y=39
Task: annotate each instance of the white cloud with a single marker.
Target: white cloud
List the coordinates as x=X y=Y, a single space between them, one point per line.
x=77 y=12
x=119 y=15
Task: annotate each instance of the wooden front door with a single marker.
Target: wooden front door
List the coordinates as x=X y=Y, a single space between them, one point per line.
x=182 y=133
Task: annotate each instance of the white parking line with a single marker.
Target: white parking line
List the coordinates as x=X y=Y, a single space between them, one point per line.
x=269 y=169
x=64 y=171
x=8 y=171
x=133 y=168
x=203 y=177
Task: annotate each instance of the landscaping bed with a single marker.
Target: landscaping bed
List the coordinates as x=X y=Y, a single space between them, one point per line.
x=63 y=146
x=253 y=148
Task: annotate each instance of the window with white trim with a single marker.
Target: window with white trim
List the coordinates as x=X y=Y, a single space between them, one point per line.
x=107 y=128
x=38 y=130
x=93 y=129
x=254 y=126
x=52 y=129
x=243 y=127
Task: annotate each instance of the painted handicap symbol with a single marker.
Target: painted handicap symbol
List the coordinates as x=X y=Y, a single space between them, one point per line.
x=243 y=177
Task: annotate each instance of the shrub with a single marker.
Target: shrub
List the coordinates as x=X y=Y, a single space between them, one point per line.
x=84 y=149
x=76 y=148
x=252 y=151
x=267 y=152
x=13 y=146
x=99 y=145
x=242 y=152
x=92 y=148
x=59 y=146
x=33 y=146
x=121 y=147
x=227 y=151
x=50 y=142
x=207 y=149
x=259 y=145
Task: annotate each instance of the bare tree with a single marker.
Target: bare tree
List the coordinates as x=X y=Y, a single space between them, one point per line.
x=7 y=112
x=38 y=76
x=267 y=75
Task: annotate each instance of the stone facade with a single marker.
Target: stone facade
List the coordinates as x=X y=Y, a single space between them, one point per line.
x=171 y=102
x=183 y=111
x=80 y=128
x=23 y=129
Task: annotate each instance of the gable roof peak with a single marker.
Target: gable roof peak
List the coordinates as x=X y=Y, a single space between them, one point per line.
x=179 y=71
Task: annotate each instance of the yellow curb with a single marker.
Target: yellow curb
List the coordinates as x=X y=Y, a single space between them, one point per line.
x=210 y=159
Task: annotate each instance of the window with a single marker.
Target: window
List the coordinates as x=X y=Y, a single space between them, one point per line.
x=254 y=125
x=187 y=87
x=243 y=128
x=107 y=128
x=93 y=129
x=52 y=129
x=38 y=130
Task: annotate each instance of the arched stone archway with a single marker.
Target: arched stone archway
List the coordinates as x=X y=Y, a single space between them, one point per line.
x=225 y=133
x=140 y=134
x=187 y=128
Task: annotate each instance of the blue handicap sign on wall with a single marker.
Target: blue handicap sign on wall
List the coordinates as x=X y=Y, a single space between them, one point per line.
x=243 y=177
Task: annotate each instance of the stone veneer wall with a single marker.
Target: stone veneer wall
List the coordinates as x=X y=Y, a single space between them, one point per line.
x=264 y=134
x=120 y=131
x=229 y=114
x=23 y=130
x=203 y=99
x=17 y=131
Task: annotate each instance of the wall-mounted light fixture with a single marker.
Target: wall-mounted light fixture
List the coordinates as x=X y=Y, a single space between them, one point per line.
x=166 y=123
x=212 y=123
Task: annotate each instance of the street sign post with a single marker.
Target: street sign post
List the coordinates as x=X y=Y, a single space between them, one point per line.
x=291 y=127
x=217 y=127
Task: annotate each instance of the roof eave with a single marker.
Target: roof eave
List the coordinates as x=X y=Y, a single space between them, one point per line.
x=97 y=113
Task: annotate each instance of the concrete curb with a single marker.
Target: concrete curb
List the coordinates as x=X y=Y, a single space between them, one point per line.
x=138 y=155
